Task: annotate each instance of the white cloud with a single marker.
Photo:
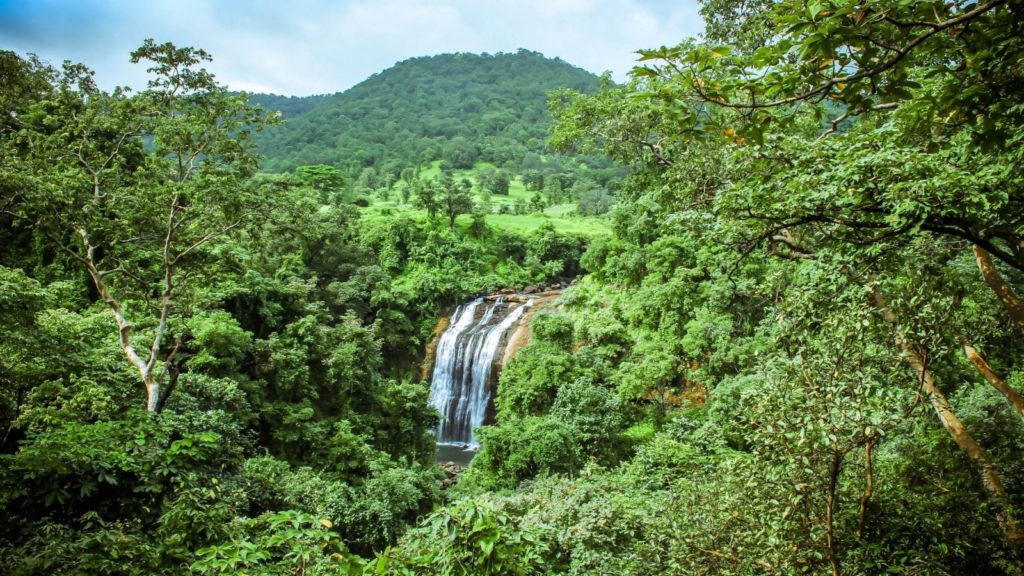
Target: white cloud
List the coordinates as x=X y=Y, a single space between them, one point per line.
x=317 y=46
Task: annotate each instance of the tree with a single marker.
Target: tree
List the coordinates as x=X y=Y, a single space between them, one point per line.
x=533 y=180
x=500 y=183
x=478 y=226
x=369 y=179
x=426 y=195
x=455 y=197
x=327 y=180
x=461 y=153
x=595 y=202
x=485 y=178
x=744 y=24
x=135 y=188
x=537 y=203
x=864 y=151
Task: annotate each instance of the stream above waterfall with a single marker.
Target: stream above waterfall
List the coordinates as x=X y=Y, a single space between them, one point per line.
x=463 y=379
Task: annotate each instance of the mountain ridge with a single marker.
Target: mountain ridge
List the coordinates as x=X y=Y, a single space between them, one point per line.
x=462 y=107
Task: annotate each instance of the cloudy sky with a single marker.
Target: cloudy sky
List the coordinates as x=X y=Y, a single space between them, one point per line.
x=301 y=47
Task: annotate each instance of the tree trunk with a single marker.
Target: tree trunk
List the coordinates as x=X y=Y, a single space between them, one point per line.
x=1011 y=395
x=830 y=511
x=124 y=328
x=152 y=395
x=990 y=477
x=1000 y=287
x=869 y=489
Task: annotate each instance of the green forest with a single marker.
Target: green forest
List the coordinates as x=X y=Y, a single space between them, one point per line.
x=789 y=340
x=463 y=108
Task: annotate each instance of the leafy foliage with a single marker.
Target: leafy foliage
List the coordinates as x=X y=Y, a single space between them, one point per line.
x=290 y=432
x=462 y=108
x=798 y=353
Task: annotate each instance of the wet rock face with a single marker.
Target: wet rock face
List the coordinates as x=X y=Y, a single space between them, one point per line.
x=461 y=385
x=429 y=358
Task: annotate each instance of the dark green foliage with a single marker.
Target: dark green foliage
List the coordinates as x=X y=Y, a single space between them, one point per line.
x=116 y=482
x=747 y=381
x=462 y=108
x=521 y=449
x=290 y=419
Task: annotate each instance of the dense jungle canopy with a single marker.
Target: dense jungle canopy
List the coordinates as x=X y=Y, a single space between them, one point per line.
x=791 y=342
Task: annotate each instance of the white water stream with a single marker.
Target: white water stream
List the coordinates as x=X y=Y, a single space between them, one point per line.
x=461 y=386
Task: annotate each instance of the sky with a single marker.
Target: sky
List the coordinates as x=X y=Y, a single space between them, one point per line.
x=301 y=47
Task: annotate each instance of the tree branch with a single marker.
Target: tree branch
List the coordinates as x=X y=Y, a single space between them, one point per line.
x=123 y=327
x=207 y=238
x=1011 y=395
x=1003 y=291
x=865 y=73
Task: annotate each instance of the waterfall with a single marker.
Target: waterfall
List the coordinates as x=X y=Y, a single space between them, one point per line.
x=460 y=387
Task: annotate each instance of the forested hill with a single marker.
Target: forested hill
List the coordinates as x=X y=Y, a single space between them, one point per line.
x=460 y=107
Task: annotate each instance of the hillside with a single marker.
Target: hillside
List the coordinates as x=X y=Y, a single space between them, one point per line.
x=460 y=107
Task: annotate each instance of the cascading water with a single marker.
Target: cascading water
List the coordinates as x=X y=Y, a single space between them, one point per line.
x=460 y=387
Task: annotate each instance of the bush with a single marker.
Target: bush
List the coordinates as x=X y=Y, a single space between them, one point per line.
x=522 y=449
x=475 y=537
x=595 y=413
x=529 y=383
x=553 y=329
x=388 y=503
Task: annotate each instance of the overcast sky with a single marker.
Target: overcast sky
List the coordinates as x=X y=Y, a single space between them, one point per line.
x=301 y=47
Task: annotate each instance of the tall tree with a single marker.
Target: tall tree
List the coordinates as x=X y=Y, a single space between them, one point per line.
x=327 y=180
x=135 y=187
x=426 y=195
x=866 y=138
x=454 y=196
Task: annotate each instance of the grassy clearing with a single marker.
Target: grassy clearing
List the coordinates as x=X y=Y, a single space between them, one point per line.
x=530 y=222
x=562 y=216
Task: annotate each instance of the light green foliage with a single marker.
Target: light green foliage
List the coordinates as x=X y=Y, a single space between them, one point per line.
x=382 y=163
x=454 y=197
x=327 y=180
x=531 y=380
x=274 y=342
x=505 y=207
x=472 y=537
x=756 y=227
x=223 y=342
x=555 y=410
x=284 y=542
x=595 y=413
